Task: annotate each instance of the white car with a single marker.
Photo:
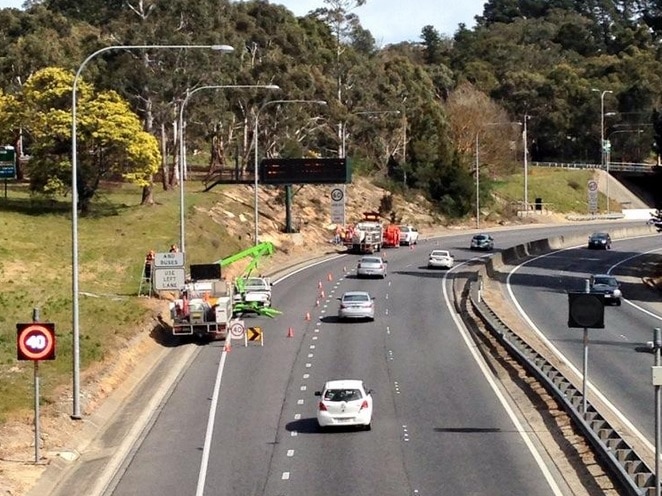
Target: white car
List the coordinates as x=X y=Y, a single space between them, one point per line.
x=344 y=402
x=440 y=259
x=408 y=235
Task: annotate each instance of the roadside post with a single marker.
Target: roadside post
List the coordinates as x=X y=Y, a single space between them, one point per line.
x=35 y=341
x=586 y=311
x=7 y=164
x=656 y=376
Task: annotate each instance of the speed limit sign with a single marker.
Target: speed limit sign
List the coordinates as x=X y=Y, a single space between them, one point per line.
x=35 y=341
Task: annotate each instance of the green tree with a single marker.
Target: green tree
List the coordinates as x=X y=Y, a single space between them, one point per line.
x=111 y=142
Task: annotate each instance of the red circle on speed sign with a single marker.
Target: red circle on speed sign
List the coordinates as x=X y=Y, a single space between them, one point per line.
x=35 y=341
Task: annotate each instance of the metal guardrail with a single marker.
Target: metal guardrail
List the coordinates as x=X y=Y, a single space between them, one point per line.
x=613 y=166
x=633 y=474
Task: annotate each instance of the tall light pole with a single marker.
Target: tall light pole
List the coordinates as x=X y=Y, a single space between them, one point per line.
x=182 y=148
x=602 y=136
x=477 y=185
x=74 y=203
x=525 y=140
x=256 y=233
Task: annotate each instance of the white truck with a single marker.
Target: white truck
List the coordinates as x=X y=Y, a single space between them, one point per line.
x=368 y=234
x=204 y=309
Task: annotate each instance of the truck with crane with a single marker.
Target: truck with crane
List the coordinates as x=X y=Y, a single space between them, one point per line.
x=208 y=305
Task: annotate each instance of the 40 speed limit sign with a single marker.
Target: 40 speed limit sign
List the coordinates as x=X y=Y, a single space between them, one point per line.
x=35 y=341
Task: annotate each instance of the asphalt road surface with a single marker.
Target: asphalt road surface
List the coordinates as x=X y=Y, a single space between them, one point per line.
x=243 y=422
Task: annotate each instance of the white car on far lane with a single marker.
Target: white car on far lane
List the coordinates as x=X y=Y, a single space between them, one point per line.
x=440 y=259
x=408 y=235
x=344 y=402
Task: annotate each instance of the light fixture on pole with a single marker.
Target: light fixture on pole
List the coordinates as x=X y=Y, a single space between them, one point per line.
x=74 y=203
x=182 y=148
x=256 y=233
x=602 y=135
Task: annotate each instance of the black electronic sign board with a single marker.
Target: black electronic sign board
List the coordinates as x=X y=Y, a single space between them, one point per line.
x=305 y=171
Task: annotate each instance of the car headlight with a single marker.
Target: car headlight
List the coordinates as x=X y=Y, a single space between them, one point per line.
x=617 y=293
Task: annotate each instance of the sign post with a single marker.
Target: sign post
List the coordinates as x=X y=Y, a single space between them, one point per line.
x=338 y=206
x=7 y=164
x=586 y=310
x=592 y=187
x=35 y=341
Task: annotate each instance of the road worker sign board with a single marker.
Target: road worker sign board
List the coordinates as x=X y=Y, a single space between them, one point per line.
x=35 y=341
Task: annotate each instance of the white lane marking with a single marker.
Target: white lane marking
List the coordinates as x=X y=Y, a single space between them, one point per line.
x=294 y=433
x=311 y=347
x=314 y=338
x=286 y=476
x=306 y=376
x=290 y=452
x=202 y=475
x=492 y=383
x=310 y=355
x=297 y=416
x=562 y=357
x=303 y=388
x=299 y=402
x=308 y=365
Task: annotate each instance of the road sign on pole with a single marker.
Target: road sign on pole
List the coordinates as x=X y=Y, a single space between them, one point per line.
x=7 y=162
x=337 y=206
x=592 y=187
x=35 y=341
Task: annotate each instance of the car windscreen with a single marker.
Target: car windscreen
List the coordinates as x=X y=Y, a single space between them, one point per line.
x=608 y=281
x=370 y=261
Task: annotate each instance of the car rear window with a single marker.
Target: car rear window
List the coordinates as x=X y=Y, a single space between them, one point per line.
x=342 y=395
x=371 y=260
x=356 y=298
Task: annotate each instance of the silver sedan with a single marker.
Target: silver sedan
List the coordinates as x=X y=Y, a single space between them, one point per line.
x=371 y=267
x=356 y=305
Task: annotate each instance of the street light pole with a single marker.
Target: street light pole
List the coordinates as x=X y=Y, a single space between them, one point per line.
x=256 y=233
x=74 y=204
x=182 y=148
x=477 y=186
x=602 y=136
x=526 y=165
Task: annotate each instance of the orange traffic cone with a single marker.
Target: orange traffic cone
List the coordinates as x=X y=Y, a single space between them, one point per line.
x=307 y=315
x=329 y=276
x=290 y=333
x=322 y=294
x=344 y=269
x=228 y=347
x=317 y=303
x=319 y=285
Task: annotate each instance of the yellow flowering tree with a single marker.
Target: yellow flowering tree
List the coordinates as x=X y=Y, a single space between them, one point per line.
x=111 y=142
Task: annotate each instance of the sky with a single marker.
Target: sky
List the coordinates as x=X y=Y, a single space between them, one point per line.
x=389 y=21
x=392 y=21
